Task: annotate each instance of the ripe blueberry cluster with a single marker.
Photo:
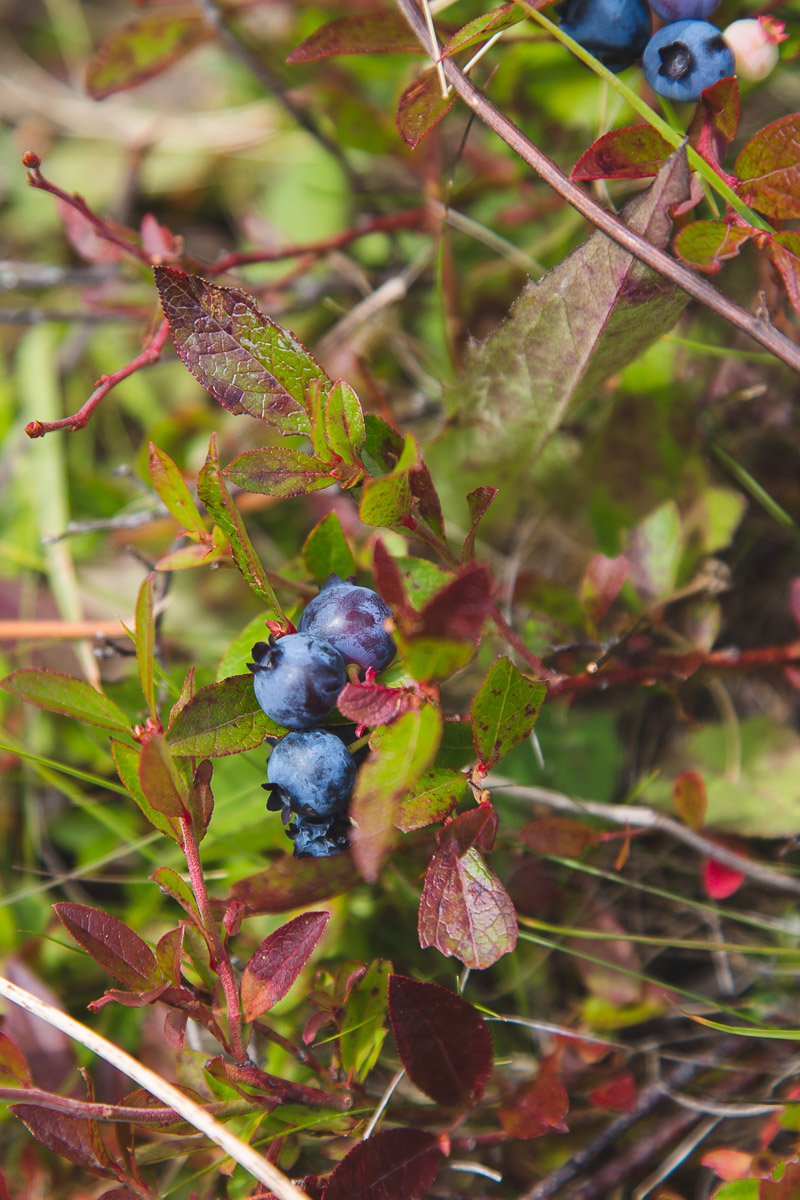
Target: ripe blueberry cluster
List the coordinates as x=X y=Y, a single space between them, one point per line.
x=297 y=680
x=683 y=57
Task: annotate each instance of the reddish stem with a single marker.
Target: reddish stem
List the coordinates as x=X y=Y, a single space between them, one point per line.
x=150 y=354
x=37 y=180
x=377 y=224
x=222 y=963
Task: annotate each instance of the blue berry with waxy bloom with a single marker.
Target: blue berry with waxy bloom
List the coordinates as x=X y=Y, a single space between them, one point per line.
x=352 y=619
x=297 y=679
x=614 y=31
x=318 y=841
x=685 y=58
x=684 y=10
x=310 y=773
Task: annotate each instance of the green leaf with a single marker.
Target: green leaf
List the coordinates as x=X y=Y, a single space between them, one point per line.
x=769 y=169
x=654 y=552
x=421 y=107
x=172 y=885
x=386 y=501
x=707 y=244
x=456 y=749
x=738 y=1189
x=383 y=445
x=66 y=695
x=246 y=361
x=146 y=643
x=344 y=423
x=223 y=718
x=567 y=333
x=504 y=711
x=365 y=1021
x=214 y=495
x=400 y=753
x=434 y=658
x=274 y=471
x=172 y=490
x=482 y=28
x=365 y=33
x=159 y=778
x=235 y=659
x=126 y=760
x=433 y=796
x=631 y=153
x=142 y=48
x=326 y=550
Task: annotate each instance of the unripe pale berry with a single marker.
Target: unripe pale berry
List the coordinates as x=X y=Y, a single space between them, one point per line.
x=755 y=46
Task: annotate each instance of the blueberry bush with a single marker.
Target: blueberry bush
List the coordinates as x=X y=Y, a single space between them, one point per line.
x=400 y=763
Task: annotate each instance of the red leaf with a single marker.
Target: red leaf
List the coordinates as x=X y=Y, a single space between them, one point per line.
x=422 y=106
x=159 y=778
x=479 y=502
x=367 y=33
x=720 y=880
x=112 y=944
x=395 y=1164
x=537 y=1108
x=374 y=704
x=465 y=911
x=601 y=584
x=84 y=237
x=635 y=152
x=443 y=1042
x=278 y=961
x=619 y=1094
x=769 y=169
x=794 y=599
x=67 y=1136
x=785 y=1188
x=429 y=504
x=716 y=120
x=477 y=827
x=459 y=611
x=690 y=799
x=784 y=250
x=288 y=883
x=559 y=835
x=728 y=1164
x=158 y=241
x=391 y=585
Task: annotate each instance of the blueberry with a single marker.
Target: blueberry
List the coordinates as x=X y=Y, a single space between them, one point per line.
x=318 y=841
x=684 y=58
x=614 y=31
x=311 y=774
x=351 y=618
x=297 y=679
x=681 y=10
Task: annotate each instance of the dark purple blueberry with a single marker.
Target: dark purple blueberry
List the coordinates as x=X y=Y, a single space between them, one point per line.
x=311 y=773
x=352 y=619
x=683 y=10
x=614 y=31
x=685 y=58
x=297 y=679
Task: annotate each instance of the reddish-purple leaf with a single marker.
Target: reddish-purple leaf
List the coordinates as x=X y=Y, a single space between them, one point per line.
x=288 y=883
x=112 y=944
x=126 y=759
x=159 y=778
x=601 y=584
x=559 y=835
x=482 y=28
x=274 y=471
x=394 y=1164
x=391 y=585
x=794 y=599
x=202 y=799
x=278 y=961
x=769 y=169
x=169 y=952
x=785 y=1188
x=67 y=696
x=465 y=911
x=476 y=827
x=14 y=1069
x=720 y=880
x=422 y=106
x=619 y=1094
x=784 y=250
x=538 y=1107
x=705 y=245
x=716 y=119
x=142 y=48
x=459 y=611
x=366 y=33
x=442 y=1041
x=68 y=1137
x=5 y=1194
x=159 y=242
x=245 y=360
x=84 y=237
x=635 y=152
x=429 y=506
x=373 y=704
x=478 y=502
x=728 y=1164
x=49 y=1052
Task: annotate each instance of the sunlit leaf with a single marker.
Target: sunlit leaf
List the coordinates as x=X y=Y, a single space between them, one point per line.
x=278 y=960
x=465 y=911
x=66 y=695
x=223 y=718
